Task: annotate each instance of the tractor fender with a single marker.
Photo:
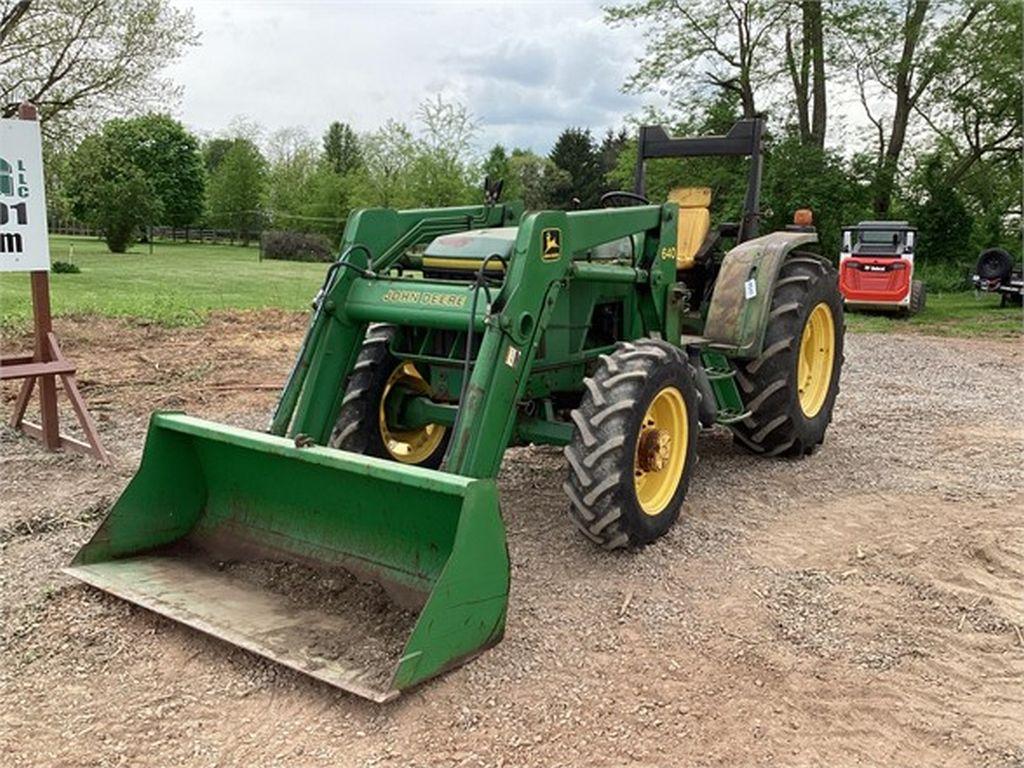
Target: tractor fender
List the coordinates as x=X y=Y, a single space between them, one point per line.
x=741 y=301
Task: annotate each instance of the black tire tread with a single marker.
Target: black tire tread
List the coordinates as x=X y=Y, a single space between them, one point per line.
x=603 y=420
x=918 y=297
x=357 y=428
x=355 y=421
x=766 y=382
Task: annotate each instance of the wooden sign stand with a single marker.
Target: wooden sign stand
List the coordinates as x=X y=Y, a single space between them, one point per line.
x=44 y=365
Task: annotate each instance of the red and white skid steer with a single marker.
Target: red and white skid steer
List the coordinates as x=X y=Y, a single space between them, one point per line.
x=876 y=268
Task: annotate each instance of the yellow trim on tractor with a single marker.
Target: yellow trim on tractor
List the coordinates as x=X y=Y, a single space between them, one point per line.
x=814 y=365
x=661 y=451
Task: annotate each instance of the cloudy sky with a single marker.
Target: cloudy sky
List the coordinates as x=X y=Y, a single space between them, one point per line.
x=526 y=69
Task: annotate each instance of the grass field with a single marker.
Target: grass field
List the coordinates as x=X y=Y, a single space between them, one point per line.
x=948 y=314
x=180 y=284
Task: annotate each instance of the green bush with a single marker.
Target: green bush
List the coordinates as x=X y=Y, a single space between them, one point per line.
x=295 y=246
x=64 y=267
x=943 y=277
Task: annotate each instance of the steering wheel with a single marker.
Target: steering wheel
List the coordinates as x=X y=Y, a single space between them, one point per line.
x=619 y=198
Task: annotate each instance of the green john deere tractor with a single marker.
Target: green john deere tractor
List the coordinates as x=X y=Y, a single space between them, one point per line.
x=441 y=337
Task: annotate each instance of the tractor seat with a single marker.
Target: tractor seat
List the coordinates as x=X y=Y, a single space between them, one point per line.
x=694 y=223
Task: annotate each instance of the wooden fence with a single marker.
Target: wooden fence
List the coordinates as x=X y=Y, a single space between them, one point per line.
x=172 y=234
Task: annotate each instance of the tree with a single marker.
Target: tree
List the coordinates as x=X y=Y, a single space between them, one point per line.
x=304 y=191
x=975 y=106
x=431 y=167
x=991 y=190
x=169 y=157
x=575 y=153
x=944 y=224
x=805 y=62
x=443 y=172
x=292 y=161
x=496 y=165
x=109 y=192
x=327 y=204
x=899 y=50
x=800 y=176
x=89 y=58
x=387 y=159
x=214 y=151
x=727 y=41
x=341 y=148
x=154 y=159
x=611 y=147
x=11 y=15
x=123 y=207
x=446 y=126
x=534 y=179
x=237 y=188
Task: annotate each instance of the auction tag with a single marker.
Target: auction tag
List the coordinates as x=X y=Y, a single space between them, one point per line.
x=750 y=289
x=512 y=356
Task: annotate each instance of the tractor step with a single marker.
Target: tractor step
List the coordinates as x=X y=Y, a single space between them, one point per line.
x=725 y=418
x=720 y=374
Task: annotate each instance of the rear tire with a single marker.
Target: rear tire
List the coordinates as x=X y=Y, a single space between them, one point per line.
x=635 y=444
x=359 y=426
x=785 y=420
x=918 y=298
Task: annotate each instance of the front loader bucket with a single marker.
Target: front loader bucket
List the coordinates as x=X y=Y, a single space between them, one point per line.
x=367 y=574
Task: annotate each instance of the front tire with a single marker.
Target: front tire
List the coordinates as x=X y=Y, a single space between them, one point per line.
x=790 y=388
x=362 y=426
x=635 y=445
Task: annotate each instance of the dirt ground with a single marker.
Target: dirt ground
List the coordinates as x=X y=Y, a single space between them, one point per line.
x=863 y=606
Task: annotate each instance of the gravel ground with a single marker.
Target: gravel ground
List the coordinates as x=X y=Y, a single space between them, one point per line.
x=863 y=606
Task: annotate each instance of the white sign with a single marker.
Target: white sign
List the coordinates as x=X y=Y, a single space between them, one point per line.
x=23 y=242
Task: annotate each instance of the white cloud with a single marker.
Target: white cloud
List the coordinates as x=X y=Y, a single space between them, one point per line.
x=526 y=70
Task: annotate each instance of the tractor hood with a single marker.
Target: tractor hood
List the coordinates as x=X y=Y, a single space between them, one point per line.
x=475 y=245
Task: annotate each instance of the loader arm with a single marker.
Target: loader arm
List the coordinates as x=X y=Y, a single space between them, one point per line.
x=374 y=239
x=523 y=309
x=512 y=326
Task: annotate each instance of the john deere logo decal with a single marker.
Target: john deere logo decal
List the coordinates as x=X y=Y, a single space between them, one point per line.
x=551 y=244
x=396 y=296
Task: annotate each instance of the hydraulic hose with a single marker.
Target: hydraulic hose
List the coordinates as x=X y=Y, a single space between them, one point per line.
x=481 y=282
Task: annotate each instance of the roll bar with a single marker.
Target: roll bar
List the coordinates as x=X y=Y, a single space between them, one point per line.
x=742 y=140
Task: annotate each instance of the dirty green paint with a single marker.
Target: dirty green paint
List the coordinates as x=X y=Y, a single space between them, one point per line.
x=434 y=537
x=737 y=317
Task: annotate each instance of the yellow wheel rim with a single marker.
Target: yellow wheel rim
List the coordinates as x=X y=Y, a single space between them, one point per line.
x=661 y=450
x=413 y=446
x=814 y=365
